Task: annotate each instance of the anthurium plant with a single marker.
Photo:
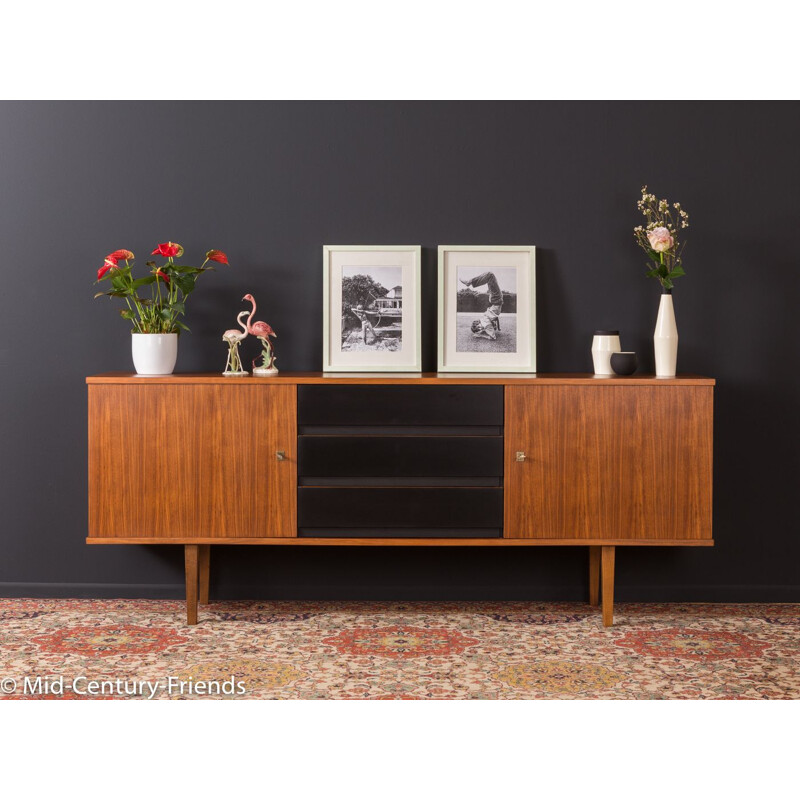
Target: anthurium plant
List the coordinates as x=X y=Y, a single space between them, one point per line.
x=156 y=301
x=659 y=238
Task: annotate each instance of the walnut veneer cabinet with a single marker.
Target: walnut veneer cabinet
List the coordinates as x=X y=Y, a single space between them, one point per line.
x=434 y=460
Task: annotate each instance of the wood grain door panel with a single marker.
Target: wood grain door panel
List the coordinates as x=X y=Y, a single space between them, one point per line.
x=610 y=462
x=192 y=460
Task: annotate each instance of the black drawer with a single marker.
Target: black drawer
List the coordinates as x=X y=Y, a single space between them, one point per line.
x=444 y=407
x=371 y=460
x=417 y=512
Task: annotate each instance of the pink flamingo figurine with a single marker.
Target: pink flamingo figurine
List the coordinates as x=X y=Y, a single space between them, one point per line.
x=262 y=331
x=233 y=338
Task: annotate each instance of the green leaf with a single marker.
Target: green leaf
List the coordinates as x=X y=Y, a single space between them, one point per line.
x=677 y=272
x=652 y=273
x=126 y=313
x=185 y=283
x=144 y=281
x=185 y=269
x=182 y=326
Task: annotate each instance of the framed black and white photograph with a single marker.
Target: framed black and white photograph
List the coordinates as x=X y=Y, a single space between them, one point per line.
x=371 y=308
x=487 y=309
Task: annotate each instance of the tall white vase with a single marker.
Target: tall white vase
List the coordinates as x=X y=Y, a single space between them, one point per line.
x=665 y=339
x=154 y=353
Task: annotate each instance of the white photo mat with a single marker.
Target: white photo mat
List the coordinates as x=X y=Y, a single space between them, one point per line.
x=514 y=347
x=381 y=260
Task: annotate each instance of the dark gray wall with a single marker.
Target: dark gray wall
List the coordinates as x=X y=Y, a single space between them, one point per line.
x=270 y=183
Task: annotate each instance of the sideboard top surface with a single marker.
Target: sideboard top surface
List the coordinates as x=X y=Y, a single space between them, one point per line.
x=426 y=378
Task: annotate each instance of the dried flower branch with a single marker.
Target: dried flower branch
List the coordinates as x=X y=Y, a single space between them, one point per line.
x=659 y=238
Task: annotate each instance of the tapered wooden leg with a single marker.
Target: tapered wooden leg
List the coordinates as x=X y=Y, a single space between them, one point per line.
x=608 y=586
x=204 y=569
x=190 y=552
x=594 y=576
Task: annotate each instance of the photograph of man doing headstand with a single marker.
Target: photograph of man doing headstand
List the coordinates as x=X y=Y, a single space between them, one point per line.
x=489 y=322
x=479 y=327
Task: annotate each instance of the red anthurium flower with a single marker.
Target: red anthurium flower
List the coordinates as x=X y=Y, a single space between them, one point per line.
x=168 y=250
x=164 y=277
x=121 y=255
x=109 y=263
x=217 y=255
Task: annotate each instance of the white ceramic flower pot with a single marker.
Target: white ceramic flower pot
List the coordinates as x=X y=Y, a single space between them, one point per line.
x=154 y=353
x=665 y=339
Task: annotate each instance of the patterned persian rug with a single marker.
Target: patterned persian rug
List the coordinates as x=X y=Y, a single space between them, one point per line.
x=133 y=649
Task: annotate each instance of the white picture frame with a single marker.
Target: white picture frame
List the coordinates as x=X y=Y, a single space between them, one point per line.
x=481 y=337
x=388 y=336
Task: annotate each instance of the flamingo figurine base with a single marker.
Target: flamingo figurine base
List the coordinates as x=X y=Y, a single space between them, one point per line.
x=264 y=372
x=234 y=374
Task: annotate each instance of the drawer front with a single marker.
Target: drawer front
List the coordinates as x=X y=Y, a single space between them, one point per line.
x=400 y=406
x=413 y=512
x=328 y=459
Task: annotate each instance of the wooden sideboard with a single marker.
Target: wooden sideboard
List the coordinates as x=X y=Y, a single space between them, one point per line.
x=437 y=460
